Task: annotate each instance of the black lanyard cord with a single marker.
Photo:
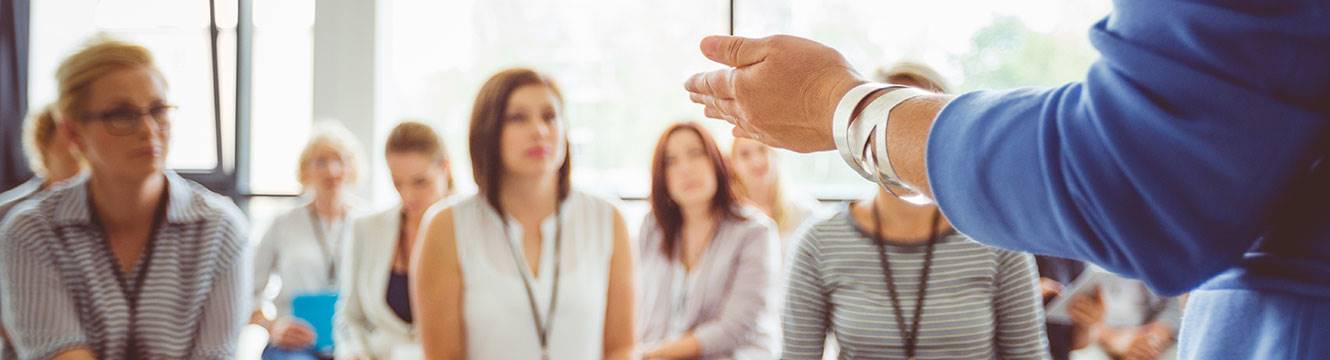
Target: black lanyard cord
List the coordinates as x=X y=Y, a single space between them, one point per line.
x=911 y=335
x=132 y=290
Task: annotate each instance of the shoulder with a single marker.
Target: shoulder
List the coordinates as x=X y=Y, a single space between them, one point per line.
x=751 y=220
x=25 y=225
x=469 y=204
x=377 y=219
x=449 y=211
x=218 y=216
x=753 y=227
x=837 y=224
x=834 y=232
x=597 y=205
x=32 y=219
x=216 y=206
x=956 y=246
x=299 y=212
x=20 y=192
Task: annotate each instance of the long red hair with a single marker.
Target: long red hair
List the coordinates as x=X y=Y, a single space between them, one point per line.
x=667 y=213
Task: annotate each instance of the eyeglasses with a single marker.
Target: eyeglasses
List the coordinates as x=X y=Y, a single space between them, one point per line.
x=125 y=121
x=325 y=163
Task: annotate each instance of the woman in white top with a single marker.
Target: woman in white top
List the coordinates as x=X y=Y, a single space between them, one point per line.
x=301 y=246
x=374 y=319
x=760 y=184
x=525 y=269
x=709 y=265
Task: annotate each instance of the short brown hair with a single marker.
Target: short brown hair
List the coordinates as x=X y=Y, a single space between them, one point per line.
x=416 y=137
x=668 y=215
x=487 y=129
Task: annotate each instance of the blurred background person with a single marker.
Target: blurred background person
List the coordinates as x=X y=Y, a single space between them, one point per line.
x=131 y=261
x=374 y=319
x=1054 y=275
x=709 y=266
x=51 y=157
x=53 y=160
x=302 y=246
x=1122 y=319
x=527 y=268
x=892 y=280
x=761 y=184
x=930 y=292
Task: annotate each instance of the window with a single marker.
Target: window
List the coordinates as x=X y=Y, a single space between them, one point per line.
x=282 y=113
x=621 y=66
x=177 y=32
x=974 y=44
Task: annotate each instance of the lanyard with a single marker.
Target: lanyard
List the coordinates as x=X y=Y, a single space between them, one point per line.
x=329 y=255
x=131 y=291
x=542 y=327
x=911 y=335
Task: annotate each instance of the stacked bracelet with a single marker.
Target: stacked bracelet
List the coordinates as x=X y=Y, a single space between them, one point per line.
x=854 y=137
x=840 y=125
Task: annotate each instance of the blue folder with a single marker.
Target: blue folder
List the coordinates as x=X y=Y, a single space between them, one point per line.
x=317 y=310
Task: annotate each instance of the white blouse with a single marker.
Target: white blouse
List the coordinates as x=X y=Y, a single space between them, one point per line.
x=495 y=306
x=292 y=249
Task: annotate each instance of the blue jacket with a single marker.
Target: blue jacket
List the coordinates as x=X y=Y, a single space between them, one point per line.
x=1168 y=162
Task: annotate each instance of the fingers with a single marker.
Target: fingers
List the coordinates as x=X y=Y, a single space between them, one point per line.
x=734 y=51
x=293 y=334
x=717 y=84
x=722 y=109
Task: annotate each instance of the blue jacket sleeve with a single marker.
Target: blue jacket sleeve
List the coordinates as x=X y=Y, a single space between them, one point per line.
x=1163 y=163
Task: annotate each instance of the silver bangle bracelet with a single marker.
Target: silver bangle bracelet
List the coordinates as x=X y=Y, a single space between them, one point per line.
x=840 y=126
x=886 y=175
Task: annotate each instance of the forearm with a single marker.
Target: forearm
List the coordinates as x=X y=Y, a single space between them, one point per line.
x=686 y=347
x=907 y=135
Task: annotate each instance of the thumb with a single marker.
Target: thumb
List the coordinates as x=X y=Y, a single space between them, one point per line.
x=733 y=50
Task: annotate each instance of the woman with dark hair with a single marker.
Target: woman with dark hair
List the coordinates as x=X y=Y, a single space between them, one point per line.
x=527 y=268
x=711 y=264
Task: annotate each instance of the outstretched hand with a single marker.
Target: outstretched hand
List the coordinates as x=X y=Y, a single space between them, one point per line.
x=780 y=90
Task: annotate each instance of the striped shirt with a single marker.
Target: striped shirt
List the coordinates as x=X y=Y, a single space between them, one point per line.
x=8 y=200
x=981 y=302
x=61 y=288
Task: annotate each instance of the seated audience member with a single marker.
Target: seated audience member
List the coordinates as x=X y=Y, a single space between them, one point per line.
x=709 y=267
x=131 y=261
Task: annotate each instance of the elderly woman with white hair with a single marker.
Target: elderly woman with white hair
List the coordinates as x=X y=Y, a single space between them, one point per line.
x=302 y=247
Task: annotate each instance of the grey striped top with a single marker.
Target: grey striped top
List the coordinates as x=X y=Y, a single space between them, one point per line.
x=981 y=302
x=61 y=287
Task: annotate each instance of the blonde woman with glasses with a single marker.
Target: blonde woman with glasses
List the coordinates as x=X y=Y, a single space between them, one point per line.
x=133 y=261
